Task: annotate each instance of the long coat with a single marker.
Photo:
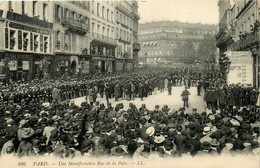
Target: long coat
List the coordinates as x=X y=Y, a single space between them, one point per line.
x=91 y=95
x=140 y=90
x=185 y=95
x=56 y=94
x=117 y=90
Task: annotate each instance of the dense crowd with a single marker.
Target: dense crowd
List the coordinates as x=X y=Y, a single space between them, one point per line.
x=45 y=125
x=122 y=85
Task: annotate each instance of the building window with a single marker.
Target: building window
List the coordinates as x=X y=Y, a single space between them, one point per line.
x=98 y=29
x=112 y=17
x=103 y=31
x=45 y=11
x=58 y=43
x=108 y=14
x=93 y=6
x=57 y=12
x=93 y=27
x=107 y=32
x=34 y=8
x=103 y=12
x=66 y=13
x=98 y=9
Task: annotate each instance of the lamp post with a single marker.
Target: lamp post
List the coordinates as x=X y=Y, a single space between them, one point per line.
x=224 y=63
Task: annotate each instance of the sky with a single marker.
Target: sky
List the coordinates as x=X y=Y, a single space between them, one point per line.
x=192 y=11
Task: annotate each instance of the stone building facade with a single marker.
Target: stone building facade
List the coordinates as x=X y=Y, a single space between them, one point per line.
x=54 y=38
x=159 y=40
x=239 y=30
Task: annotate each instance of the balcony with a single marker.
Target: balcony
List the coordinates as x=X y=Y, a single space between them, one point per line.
x=247 y=41
x=123 y=41
x=137 y=15
x=123 y=9
x=136 y=47
x=103 y=39
x=224 y=35
x=75 y=26
x=28 y=20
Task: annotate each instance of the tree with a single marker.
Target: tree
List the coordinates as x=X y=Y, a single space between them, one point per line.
x=206 y=49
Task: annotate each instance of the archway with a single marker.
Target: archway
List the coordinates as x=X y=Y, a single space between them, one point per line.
x=73 y=66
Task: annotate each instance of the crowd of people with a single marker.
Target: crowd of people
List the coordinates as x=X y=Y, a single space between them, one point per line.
x=126 y=85
x=45 y=125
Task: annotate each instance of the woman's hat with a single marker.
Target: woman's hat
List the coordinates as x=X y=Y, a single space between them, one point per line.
x=214 y=143
x=159 y=139
x=150 y=131
x=27 y=132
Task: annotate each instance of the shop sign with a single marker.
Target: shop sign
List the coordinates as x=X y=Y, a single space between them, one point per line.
x=25 y=65
x=2 y=63
x=241 y=69
x=12 y=65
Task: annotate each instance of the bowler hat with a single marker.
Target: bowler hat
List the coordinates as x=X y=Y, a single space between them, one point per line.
x=206 y=145
x=36 y=142
x=2 y=132
x=102 y=141
x=54 y=135
x=168 y=144
x=187 y=147
x=85 y=145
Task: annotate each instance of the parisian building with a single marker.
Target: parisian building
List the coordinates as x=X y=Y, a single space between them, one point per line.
x=26 y=50
x=71 y=36
x=126 y=34
x=114 y=27
x=158 y=40
x=55 y=38
x=239 y=30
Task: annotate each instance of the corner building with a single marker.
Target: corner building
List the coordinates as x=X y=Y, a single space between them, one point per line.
x=239 y=30
x=26 y=50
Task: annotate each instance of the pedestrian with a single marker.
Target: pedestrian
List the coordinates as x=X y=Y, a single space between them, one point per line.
x=185 y=97
x=198 y=87
x=169 y=87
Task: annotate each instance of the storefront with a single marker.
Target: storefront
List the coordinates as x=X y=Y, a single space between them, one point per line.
x=102 y=64
x=84 y=64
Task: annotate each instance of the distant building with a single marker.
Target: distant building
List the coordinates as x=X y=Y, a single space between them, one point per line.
x=159 y=40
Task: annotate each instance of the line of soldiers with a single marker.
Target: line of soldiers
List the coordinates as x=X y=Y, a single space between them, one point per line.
x=139 y=83
x=230 y=96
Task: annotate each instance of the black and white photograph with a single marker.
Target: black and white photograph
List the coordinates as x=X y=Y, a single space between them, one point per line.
x=130 y=83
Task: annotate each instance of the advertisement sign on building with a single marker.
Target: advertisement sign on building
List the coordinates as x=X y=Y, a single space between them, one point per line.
x=12 y=65
x=241 y=68
x=25 y=65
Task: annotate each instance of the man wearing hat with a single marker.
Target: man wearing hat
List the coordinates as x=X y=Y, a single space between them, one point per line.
x=185 y=97
x=37 y=149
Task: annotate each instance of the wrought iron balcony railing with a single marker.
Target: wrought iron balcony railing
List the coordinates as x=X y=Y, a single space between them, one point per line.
x=103 y=38
x=76 y=25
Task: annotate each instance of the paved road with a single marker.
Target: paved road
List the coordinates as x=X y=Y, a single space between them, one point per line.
x=173 y=101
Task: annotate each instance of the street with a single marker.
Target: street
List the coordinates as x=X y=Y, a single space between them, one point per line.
x=173 y=101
